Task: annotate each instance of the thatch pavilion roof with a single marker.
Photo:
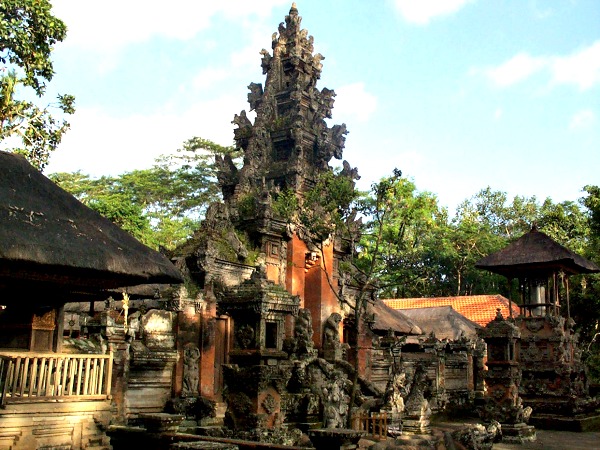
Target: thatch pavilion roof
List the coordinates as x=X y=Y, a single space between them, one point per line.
x=535 y=251
x=387 y=318
x=49 y=238
x=443 y=321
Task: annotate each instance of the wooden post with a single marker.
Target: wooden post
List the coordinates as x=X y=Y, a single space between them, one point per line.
x=510 y=311
x=568 y=302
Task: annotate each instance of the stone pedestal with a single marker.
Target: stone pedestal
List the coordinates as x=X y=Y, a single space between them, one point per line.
x=253 y=396
x=150 y=380
x=518 y=433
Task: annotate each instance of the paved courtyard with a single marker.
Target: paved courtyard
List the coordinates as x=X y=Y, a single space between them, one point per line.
x=546 y=439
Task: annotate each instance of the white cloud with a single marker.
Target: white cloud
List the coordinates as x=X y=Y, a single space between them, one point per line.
x=100 y=144
x=353 y=103
x=582 y=119
x=112 y=24
x=208 y=77
x=581 y=68
x=498 y=113
x=515 y=70
x=423 y=11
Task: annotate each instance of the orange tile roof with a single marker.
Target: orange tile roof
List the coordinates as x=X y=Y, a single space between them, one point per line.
x=480 y=309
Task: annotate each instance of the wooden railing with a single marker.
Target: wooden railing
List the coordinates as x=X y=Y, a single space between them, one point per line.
x=375 y=424
x=38 y=377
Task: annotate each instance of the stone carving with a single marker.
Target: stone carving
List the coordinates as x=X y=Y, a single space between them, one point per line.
x=191 y=356
x=478 y=436
x=303 y=333
x=338 y=138
x=269 y=404
x=349 y=171
x=241 y=120
x=244 y=337
x=503 y=379
x=417 y=410
x=331 y=338
x=398 y=394
x=331 y=333
x=255 y=96
x=327 y=96
x=335 y=404
x=265 y=61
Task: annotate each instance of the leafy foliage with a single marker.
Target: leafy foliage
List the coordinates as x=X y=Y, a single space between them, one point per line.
x=327 y=206
x=407 y=229
x=160 y=205
x=285 y=205
x=28 y=32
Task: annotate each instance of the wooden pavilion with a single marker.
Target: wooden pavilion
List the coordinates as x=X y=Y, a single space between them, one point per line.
x=54 y=249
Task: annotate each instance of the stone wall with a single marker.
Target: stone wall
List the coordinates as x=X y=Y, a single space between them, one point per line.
x=65 y=425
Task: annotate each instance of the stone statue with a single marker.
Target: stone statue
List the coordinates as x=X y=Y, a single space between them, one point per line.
x=398 y=394
x=241 y=120
x=331 y=332
x=349 y=171
x=244 y=336
x=303 y=333
x=191 y=355
x=255 y=95
x=265 y=61
x=335 y=404
x=338 y=138
x=327 y=100
x=417 y=410
x=331 y=338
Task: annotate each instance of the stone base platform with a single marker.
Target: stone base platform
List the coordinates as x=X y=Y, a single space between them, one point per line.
x=518 y=433
x=577 y=423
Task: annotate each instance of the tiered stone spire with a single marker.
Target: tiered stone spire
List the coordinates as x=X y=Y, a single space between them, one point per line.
x=289 y=143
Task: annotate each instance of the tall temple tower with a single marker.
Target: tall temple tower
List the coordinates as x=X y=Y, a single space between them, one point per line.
x=286 y=149
x=254 y=265
x=289 y=144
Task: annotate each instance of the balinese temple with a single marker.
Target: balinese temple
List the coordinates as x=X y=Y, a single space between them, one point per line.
x=261 y=333
x=554 y=382
x=269 y=291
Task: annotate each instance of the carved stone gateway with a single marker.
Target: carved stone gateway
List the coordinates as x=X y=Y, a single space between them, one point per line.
x=259 y=309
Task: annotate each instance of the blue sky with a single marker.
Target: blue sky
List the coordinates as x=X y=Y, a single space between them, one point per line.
x=458 y=94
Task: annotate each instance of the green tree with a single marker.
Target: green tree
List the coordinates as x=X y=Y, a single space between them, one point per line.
x=28 y=32
x=585 y=293
x=403 y=269
x=162 y=205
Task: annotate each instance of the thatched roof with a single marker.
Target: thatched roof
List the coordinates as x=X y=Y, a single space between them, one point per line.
x=535 y=251
x=47 y=236
x=443 y=321
x=387 y=318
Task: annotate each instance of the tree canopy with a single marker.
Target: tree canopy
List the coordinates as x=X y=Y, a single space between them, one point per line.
x=28 y=33
x=161 y=206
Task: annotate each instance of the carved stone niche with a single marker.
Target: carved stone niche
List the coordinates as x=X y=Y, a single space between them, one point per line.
x=259 y=309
